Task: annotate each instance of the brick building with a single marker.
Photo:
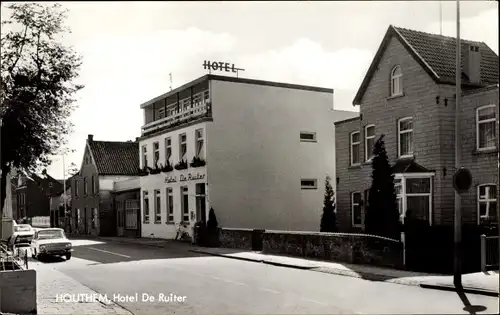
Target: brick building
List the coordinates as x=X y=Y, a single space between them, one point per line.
x=92 y=204
x=408 y=94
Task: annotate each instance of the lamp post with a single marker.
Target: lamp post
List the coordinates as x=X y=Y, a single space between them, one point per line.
x=457 y=272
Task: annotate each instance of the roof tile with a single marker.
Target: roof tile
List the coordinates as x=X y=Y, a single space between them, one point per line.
x=115 y=158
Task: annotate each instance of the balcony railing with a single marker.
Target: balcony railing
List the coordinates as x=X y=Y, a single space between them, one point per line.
x=197 y=111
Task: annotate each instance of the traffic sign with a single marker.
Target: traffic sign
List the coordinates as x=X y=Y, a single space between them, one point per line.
x=462 y=180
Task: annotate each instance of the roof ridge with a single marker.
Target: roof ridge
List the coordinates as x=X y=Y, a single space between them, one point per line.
x=438 y=35
x=104 y=141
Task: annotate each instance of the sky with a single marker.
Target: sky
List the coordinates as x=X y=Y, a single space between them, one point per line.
x=130 y=48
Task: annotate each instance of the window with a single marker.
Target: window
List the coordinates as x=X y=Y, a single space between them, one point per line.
x=396 y=81
x=170 y=205
x=414 y=196
x=307 y=136
x=145 y=207
x=76 y=188
x=168 y=149
x=308 y=184
x=357 y=218
x=486 y=127
x=156 y=153
x=94 y=218
x=144 y=156
x=85 y=188
x=161 y=113
x=405 y=135
x=157 y=206
x=182 y=146
x=355 y=141
x=486 y=204
x=369 y=141
x=199 y=143
x=185 y=204
x=94 y=190
x=77 y=217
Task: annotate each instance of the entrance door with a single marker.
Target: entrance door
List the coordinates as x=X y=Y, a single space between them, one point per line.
x=132 y=217
x=85 y=221
x=201 y=204
x=120 y=218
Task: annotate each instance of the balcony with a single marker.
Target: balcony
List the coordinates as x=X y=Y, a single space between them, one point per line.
x=178 y=115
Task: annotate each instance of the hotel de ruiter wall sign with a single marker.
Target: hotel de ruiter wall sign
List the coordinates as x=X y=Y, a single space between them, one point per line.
x=185 y=178
x=220 y=66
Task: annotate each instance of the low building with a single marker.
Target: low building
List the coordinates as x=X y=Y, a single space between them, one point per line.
x=408 y=95
x=257 y=152
x=104 y=163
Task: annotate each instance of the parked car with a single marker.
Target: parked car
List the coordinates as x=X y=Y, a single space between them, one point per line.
x=23 y=228
x=51 y=242
x=19 y=241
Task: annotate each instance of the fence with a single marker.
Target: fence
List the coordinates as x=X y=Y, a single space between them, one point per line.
x=17 y=259
x=489 y=252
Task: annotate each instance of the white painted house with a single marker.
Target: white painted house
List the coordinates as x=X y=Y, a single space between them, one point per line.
x=267 y=146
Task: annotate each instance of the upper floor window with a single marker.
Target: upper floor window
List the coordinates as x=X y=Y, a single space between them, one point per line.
x=168 y=149
x=486 y=132
x=369 y=141
x=405 y=137
x=309 y=184
x=182 y=146
x=156 y=152
x=144 y=156
x=145 y=207
x=487 y=203
x=199 y=143
x=76 y=188
x=93 y=188
x=396 y=81
x=355 y=142
x=161 y=113
x=307 y=136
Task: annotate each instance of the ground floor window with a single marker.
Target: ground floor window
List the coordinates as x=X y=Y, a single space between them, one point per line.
x=157 y=206
x=94 y=218
x=200 y=202
x=145 y=210
x=487 y=204
x=357 y=218
x=170 y=205
x=414 y=196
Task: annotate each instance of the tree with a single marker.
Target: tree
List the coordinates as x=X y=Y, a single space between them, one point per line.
x=382 y=217
x=212 y=223
x=329 y=217
x=37 y=88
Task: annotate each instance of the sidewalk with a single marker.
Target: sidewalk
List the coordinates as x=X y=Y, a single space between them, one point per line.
x=475 y=283
x=74 y=297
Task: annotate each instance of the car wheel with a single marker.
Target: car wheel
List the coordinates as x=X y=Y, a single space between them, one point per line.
x=68 y=256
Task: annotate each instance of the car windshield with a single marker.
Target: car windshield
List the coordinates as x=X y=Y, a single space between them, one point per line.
x=22 y=228
x=44 y=235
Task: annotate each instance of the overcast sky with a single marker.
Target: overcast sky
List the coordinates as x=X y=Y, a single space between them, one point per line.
x=129 y=49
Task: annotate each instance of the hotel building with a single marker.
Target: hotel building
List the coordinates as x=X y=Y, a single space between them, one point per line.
x=256 y=152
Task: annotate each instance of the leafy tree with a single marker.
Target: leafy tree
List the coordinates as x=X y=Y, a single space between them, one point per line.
x=212 y=223
x=37 y=87
x=382 y=217
x=329 y=217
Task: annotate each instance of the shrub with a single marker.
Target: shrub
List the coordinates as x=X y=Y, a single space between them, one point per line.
x=328 y=218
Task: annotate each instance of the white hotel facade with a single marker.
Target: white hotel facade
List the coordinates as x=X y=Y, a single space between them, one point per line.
x=266 y=149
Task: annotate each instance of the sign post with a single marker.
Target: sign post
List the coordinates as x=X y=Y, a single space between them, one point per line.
x=221 y=66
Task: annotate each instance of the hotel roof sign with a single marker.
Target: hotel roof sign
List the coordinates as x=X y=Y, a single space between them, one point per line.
x=221 y=66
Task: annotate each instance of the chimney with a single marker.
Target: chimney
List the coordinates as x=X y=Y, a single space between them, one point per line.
x=90 y=138
x=472 y=63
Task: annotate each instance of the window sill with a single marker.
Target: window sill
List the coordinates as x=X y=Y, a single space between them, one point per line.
x=184 y=223
x=303 y=140
x=170 y=223
x=145 y=222
x=355 y=166
x=157 y=222
x=395 y=96
x=488 y=151
x=406 y=157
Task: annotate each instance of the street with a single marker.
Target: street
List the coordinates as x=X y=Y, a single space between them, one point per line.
x=204 y=284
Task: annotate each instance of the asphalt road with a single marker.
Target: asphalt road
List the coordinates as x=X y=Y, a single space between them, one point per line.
x=207 y=285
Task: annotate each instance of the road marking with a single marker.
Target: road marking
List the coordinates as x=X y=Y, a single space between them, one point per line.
x=234 y=282
x=105 y=251
x=269 y=290
x=315 y=302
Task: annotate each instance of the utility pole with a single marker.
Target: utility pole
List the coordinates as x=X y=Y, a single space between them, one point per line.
x=440 y=18
x=457 y=275
x=64 y=193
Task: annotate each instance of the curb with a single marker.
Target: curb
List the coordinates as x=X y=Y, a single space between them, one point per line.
x=452 y=288
x=361 y=275
x=133 y=243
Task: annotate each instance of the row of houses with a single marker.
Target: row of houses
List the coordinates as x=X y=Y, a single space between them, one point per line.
x=258 y=152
